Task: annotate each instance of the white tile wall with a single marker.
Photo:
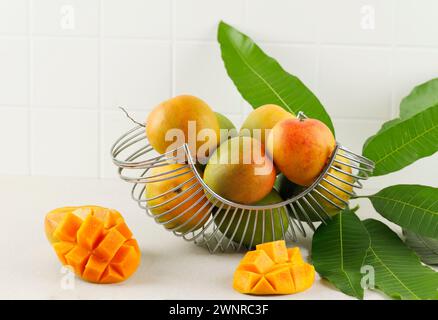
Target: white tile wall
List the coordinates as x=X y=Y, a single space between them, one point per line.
x=66 y=65
x=65 y=72
x=65 y=17
x=13 y=16
x=135 y=73
x=199 y=71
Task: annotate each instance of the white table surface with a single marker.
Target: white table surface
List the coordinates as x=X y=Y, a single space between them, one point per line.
x=171 y=268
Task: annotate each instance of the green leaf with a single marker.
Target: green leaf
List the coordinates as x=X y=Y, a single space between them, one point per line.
x=261 y=80
x=426 y=248
x=404 y=142
x=338 y=252
x=413 y=207
x=419 y=99
x=397 y=269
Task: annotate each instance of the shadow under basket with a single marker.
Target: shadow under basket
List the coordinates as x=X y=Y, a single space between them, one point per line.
x=192 y=211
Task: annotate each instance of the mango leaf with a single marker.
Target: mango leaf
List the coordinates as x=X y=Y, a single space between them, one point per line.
x=413 y=207
x=397 y=269
x=260 y=79
x=419 y=99
x=426 y=248
x=405 y=142
x=338 y=252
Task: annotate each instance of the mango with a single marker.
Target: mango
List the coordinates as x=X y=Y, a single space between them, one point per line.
x=183 y=119
x=239 y=171
x=228 y=130
x=94 y=241
x=333 y=188
x=279 y=222
x=273 y=269
x=301 y=148
x=174 y=192
x=263 y=119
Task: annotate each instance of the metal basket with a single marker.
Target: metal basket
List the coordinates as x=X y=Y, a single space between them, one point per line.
x=135 y=157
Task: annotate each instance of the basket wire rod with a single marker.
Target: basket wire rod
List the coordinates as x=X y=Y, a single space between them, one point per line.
x=131 y=142
x=138 y=198
x=355 y=176
x=143 y=199
x=251 y=243
x=328 y=200
x=366 y=167
x=217 y=226
x=321 y=209
x=163 y=214
x=309 y=205
x=359 y=158
x=170 y=190
x=298 y=220
x=292 y=223
x=200 y=223
x=351 y=184
x=228 y=227
x=279 y=213
x=333 y=194
x=125 y=138
x=140 y=152
x=263 y=225
x=178 y=195
x=209 y=222
x=178 y=216
x=245 y=230
x=236 y=228
x=205 y=212
x=148 y=179
x=306 y=216
x=169 y=155
x=214 y=234
x=193 y=216
x=353 y=166
x=338 y=187
x=272 y=225
x=167 y=173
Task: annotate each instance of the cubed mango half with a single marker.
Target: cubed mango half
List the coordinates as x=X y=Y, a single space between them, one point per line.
x=94 y=241
x=273 y=269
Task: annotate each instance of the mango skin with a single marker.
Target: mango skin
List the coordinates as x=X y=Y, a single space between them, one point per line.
x=232 y=172
x=228 y=130
x=264 y=118
x=287 y=189
x=330 y=208
x=301 y=148
x=279 y=216
x=94 y=241
x=176 y=113
x=189 y=220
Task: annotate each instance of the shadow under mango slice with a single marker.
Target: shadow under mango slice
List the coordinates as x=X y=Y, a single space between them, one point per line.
x=273 y=269
x=94 y=241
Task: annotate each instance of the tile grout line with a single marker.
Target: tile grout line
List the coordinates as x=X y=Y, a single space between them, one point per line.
x=317 y=44
x=100 y=146
x=393 y=111
x=30 y=155
x=245 y=24
x=172 y=48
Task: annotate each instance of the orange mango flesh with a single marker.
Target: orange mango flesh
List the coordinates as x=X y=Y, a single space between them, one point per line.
x=94 y=241
x=273 y=269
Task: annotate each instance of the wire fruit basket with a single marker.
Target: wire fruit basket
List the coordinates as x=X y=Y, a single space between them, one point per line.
x=196 y=213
